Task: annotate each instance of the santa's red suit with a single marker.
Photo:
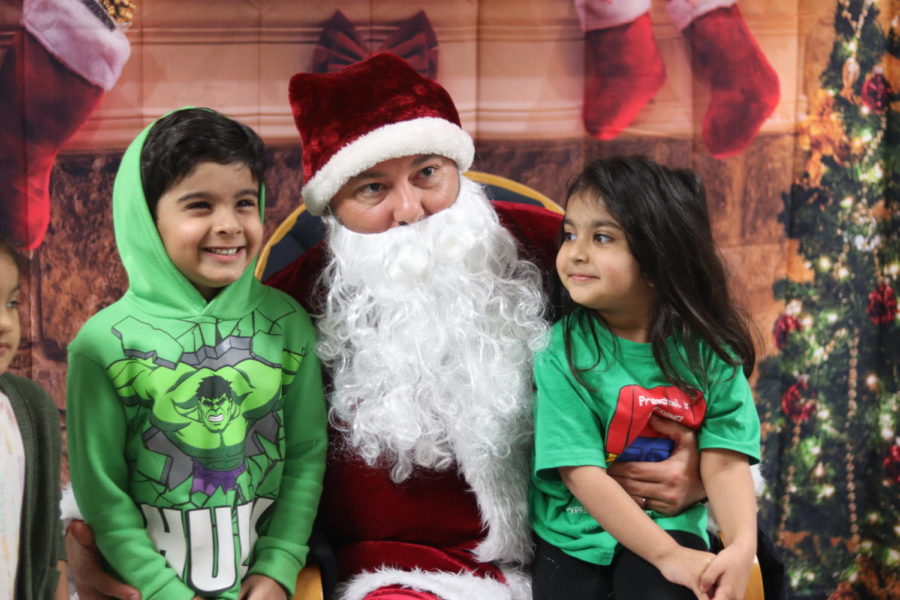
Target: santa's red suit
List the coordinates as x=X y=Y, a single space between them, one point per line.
x=419 y=534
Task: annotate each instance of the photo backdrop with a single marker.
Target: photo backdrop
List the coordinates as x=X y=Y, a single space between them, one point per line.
x=805 y=212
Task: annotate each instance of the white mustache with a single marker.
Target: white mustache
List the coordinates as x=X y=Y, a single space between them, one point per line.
x=398 y=260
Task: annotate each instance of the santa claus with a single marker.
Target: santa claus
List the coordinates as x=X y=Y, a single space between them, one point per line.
x=428 y=317
x=427 y=329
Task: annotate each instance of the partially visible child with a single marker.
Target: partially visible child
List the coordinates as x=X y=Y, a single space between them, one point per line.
x=652 y=331
x=196 y=416
x=31 y=548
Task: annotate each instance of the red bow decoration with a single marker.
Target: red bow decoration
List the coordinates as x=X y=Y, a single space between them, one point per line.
x=340 y=45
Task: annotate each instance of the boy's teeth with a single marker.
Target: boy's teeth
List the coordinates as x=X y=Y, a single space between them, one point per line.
x=223 y=250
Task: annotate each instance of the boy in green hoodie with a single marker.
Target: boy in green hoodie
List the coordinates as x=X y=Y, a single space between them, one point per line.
x=196 y=417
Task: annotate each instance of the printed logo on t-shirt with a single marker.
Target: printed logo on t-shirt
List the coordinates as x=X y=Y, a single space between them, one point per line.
x=635 y=406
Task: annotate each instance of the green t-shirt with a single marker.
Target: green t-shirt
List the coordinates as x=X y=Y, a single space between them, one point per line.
x=575 y=426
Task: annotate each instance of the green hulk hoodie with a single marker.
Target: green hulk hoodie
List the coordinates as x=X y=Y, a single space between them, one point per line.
x=197 y=431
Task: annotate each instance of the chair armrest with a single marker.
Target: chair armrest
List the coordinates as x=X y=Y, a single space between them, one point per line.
x=309 y=584
x=754 y=584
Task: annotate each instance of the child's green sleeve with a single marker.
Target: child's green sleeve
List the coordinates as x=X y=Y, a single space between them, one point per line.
x=96 y=427
x=281 y=552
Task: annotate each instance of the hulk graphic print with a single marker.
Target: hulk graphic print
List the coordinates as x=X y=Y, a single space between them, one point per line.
x=212 y=409
x=203 y=401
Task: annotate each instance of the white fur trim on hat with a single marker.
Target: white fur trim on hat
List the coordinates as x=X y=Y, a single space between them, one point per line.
x=448 y=586
x=683 y=12
x=425 y=135
x=75 y=36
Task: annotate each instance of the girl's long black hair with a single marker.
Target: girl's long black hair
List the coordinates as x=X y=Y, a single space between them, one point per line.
x=664 y=215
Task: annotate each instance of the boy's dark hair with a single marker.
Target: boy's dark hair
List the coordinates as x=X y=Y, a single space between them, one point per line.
x=664 y=215
x=181 y=140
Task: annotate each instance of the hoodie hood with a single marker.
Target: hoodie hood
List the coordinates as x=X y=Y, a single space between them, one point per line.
x=154 y=282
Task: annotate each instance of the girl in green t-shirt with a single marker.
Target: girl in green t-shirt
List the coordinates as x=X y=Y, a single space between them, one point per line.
x=653 y=332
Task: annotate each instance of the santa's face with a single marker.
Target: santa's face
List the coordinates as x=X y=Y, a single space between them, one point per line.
x=395 y=192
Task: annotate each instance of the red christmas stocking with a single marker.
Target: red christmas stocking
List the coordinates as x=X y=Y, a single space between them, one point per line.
x=623 y=70
x=62 y=59
x=44 y=106
x=744 y=88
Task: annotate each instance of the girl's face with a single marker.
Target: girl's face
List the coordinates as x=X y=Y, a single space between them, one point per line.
x=597 y=268
x=9 y=313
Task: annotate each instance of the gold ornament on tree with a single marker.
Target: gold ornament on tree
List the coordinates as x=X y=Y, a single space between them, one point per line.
x=849 y=75
x=822 y=133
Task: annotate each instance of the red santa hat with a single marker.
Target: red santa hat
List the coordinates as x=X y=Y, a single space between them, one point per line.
x=369 y=112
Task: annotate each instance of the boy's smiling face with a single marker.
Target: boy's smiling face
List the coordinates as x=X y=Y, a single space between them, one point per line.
x=210 y=225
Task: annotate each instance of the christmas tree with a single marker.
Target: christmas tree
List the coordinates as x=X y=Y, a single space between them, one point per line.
x=828 y=397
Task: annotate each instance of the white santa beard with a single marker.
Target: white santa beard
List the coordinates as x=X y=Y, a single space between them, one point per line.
x=429 y=332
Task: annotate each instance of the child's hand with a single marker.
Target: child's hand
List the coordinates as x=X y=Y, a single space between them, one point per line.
x=685 y=567
x=86 y=567
x=668 y=486
x=260 y=587
x=726 y=576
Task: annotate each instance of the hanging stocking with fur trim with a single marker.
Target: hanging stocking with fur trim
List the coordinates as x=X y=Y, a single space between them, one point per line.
x=45 y=105
x=55 y=72
x=623 y=66
x=744 y=88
